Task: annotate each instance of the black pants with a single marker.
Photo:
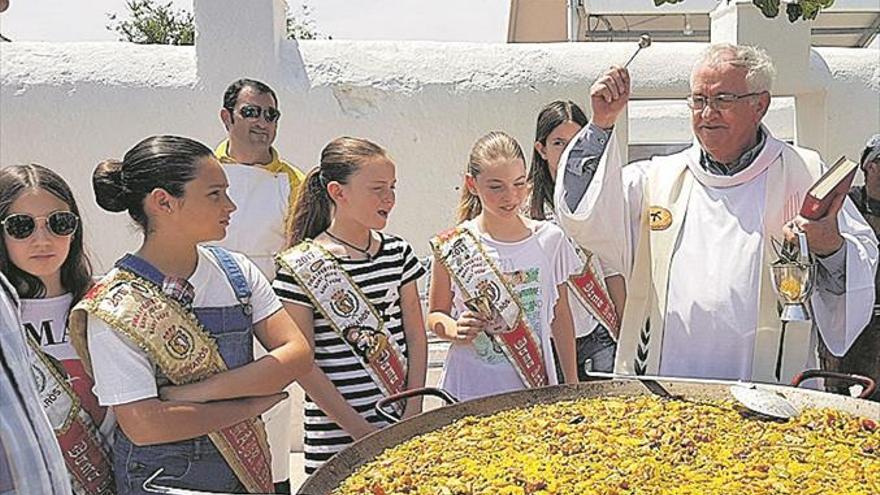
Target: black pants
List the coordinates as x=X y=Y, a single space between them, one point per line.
x=862 y=358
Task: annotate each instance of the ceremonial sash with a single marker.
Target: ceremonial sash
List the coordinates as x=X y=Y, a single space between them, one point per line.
x=475 y=275
x=590 y=291
x=85 y=455
x=351 y=315
x=589 y=287
x=182 y=349
x=668 y=191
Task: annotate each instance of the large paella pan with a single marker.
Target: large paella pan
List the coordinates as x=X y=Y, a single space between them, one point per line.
x=624 y=438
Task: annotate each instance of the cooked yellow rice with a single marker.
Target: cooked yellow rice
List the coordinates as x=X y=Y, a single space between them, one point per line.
x=639 y=445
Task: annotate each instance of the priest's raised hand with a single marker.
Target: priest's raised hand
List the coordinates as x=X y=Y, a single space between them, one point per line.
x=609 y=95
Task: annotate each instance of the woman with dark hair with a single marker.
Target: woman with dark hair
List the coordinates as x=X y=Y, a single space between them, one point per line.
x=34 y=183
x=42 y=256
x=168 y=332
x=558 y=123
x=599 y=295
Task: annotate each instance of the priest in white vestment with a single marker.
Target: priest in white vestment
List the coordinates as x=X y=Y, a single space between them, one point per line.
x=691 y=232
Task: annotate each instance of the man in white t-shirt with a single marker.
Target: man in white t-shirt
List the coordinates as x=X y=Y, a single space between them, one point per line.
x=264 y=188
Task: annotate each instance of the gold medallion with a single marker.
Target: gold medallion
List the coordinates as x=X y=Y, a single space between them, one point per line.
x=659 y=218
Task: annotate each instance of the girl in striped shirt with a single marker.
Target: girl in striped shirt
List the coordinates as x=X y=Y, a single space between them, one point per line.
x=344 y=205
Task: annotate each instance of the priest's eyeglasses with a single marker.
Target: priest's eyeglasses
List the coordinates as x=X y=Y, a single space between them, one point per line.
x=20 y=226
x=723 y=101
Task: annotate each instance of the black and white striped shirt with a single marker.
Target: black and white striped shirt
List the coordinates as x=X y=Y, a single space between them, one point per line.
x=380 y=279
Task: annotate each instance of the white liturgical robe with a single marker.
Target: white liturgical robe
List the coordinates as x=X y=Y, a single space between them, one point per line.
x=694 y=249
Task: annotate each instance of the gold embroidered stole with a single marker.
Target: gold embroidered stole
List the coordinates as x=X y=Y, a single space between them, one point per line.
x=182 y=349
x=668 y=189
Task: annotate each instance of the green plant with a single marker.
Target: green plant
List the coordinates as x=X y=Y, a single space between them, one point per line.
x=149 y=22
x=154 y=23
x=301 y=26
x=800 y=9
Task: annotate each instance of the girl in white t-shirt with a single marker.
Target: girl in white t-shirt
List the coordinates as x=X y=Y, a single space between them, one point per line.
x=175 y=313
x=596 y=325
x=535 y=260
x=42 y=255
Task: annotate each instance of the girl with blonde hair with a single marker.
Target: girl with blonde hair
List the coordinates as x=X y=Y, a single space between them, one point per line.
x=498 y=288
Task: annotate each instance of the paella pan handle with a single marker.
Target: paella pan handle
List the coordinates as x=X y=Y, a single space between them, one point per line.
x=382 y=405
x=868 y=385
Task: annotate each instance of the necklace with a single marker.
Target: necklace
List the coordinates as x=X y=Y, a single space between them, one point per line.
x=365 y=251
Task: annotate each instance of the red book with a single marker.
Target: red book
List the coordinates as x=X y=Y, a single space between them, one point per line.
x=834 y=182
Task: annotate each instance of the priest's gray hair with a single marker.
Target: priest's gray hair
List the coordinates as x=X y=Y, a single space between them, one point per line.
x=759 y=67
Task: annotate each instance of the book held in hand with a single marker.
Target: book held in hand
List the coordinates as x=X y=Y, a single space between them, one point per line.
x=834 y=182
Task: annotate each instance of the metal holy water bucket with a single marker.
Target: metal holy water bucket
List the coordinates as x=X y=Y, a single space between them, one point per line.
x=793 y=281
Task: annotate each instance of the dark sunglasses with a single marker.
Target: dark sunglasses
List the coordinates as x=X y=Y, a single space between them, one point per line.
x=21 y=225
x=253 y=112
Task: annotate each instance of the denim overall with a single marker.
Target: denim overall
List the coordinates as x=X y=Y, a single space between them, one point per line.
x=194 y=463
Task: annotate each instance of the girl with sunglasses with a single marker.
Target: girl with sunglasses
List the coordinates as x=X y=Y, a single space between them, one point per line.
x=352 y=288
x=42 y=255
x=168 y=333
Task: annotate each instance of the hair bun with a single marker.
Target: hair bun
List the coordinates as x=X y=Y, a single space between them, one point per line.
x=110 y=190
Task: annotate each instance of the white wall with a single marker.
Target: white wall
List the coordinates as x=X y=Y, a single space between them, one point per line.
x=70 y=105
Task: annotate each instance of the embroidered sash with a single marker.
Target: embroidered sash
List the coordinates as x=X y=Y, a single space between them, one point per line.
x=85 y=454
x=476 y=275
x=351 y=315
x=182 y=349
x=590 y=291
x=589 y=287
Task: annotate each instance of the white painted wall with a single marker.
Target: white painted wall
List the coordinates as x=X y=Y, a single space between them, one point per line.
x=70 y=105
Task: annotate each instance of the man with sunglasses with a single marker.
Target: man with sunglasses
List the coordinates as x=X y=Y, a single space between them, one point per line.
x=691 y=232
x=250 y=115
x=264 y=188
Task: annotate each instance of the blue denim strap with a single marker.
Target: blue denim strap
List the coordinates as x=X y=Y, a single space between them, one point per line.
x=142 y=268
x=177 y=288
x=235 y=276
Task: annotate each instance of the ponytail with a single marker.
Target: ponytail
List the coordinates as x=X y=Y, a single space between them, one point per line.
x=469 y=206
x=542 y=185
x=341 y=158
x=313 y=210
